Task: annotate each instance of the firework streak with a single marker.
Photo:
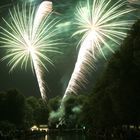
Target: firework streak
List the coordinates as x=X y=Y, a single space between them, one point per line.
x=99 y=23
x=28 y=37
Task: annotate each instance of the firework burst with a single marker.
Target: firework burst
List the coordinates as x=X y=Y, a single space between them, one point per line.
x=29 y=37
x=98 y=21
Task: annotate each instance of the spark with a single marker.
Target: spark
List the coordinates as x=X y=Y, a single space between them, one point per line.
x=98 y=23
x=29 y=37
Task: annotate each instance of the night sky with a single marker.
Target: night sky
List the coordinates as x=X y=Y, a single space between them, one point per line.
x=24 y=80
x=57 y=77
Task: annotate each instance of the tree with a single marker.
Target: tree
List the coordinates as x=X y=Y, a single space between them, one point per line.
x=41 y=113
x=73 y=107
x=54 y=103
x=12 y=107
x=115 y=98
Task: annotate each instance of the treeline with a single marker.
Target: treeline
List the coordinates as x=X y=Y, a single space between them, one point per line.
x=115 y=100
x=18 y=112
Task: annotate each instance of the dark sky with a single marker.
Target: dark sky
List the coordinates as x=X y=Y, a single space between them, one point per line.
x=24 y=81
x=57 y=78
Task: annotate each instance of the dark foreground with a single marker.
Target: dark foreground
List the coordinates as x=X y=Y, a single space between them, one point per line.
x=112 y=134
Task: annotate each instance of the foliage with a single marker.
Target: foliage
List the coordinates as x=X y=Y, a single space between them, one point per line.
x=12 y=106
x=41 y=113
x=20 y=112
x=69 y=113
x=115 y=99
x=73 y=108
x=55 y=111
x=5 y=126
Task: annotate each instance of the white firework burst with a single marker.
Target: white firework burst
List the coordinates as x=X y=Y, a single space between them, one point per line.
x=98 y=21
x=28 y=37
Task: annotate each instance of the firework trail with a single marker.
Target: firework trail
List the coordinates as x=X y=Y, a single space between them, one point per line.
x=98 y=21
x=44 y=9
x=29 y=37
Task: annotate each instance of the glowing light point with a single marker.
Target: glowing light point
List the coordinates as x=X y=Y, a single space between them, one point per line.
x=31 y=50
